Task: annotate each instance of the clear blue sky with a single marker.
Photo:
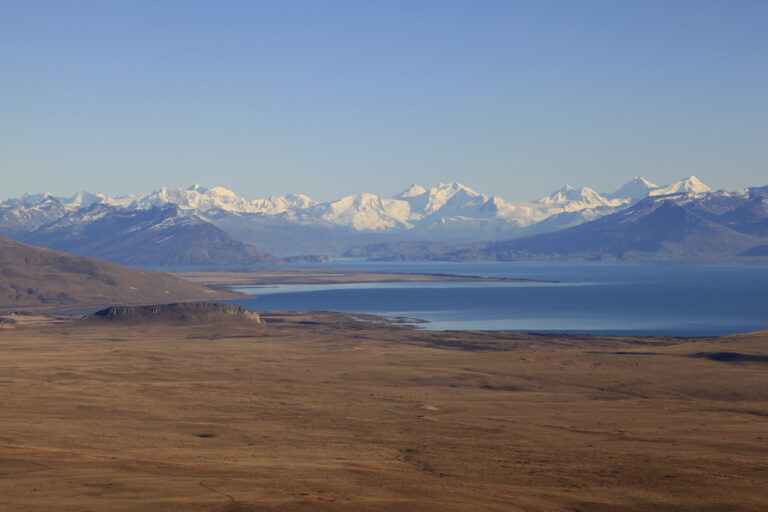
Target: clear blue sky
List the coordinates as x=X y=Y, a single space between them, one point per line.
x=329 y=97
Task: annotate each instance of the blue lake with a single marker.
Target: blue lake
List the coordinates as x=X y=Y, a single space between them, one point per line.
x=608 y=298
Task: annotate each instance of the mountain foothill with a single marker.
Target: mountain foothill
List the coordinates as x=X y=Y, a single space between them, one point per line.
x=33 y=277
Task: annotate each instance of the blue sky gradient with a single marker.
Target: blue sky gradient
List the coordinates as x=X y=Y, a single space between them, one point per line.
x=327 y=98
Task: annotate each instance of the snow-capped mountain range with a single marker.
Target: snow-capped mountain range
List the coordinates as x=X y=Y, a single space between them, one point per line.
x=370 y=212
x=704 y=226
x=295 y=223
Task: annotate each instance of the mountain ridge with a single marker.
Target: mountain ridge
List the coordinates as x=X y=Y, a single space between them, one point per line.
x=421 y=202
x=710 y=226
x=216 y=226
x=144 y=237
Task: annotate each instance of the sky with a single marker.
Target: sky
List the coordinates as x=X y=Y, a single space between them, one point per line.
x=329 y=98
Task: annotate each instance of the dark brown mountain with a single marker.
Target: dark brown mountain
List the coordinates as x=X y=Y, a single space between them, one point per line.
x=31 y=276
x=185 y=313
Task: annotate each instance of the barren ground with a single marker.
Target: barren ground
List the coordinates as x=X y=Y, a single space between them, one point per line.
x=326 y=412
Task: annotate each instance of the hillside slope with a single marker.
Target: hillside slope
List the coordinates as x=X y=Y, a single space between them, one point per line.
x=161 y=235
x=31 y=276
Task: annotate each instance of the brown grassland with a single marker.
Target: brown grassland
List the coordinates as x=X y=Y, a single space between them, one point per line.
x=327 y=412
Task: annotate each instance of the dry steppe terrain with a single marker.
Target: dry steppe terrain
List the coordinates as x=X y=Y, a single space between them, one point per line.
x=331 y=412
x=33 y=277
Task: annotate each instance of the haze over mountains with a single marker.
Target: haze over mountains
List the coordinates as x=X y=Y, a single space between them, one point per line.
x=216 y=226
x=715 y=225
x=144 y=237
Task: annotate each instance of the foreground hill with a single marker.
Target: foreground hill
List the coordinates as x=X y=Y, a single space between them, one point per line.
x=31 y=276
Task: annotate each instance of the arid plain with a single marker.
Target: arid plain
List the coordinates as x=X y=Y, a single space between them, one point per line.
x=323 y=412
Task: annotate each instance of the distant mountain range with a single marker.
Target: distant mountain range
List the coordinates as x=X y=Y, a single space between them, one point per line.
x=216 y=226
x=154 y=235
x=715 y=225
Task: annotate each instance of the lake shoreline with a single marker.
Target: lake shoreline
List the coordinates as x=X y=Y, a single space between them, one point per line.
x=636 y=299
x=237 y=278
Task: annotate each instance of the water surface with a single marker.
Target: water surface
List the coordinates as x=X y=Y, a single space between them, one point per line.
x=608 y=298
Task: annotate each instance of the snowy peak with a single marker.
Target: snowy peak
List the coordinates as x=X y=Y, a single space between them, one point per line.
x=642 y=181
x=362 y=212
x=520 y=214
x=203 y=199
x=463 y=203
x=425 y=202
x=639 y=188
x=195 y=198
x=690 y=185
x=276 y=205
x=559 y=196
x=448 y=190
x=635 y=189
x=85 y=199
x=26 y=213
x=437 y=197
x=29 y=200
x=573 y=198
x=412 y=191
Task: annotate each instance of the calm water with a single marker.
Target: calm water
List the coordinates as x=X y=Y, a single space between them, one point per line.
x=668 y=299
